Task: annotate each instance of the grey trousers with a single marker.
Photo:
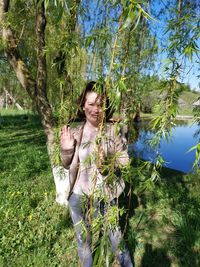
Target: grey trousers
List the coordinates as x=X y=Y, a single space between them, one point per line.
x=78 y=210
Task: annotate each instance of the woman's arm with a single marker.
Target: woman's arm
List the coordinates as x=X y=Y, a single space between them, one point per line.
x=66 y=157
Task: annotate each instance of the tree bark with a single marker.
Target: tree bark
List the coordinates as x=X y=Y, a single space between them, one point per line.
x=42 y=102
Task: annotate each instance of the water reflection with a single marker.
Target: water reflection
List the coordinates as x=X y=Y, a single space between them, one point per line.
x=175 y=152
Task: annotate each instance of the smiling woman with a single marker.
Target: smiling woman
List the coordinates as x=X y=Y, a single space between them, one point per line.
x=93 y=109
x=92 y=194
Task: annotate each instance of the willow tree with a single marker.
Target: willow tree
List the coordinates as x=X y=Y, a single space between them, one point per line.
x=33 y=75
x=43 y=54
x=116 y=44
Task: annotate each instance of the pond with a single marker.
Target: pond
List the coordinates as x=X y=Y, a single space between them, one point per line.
x=175 y=152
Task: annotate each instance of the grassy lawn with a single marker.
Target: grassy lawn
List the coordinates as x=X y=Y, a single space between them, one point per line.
x=164 y=223
x=34 y=230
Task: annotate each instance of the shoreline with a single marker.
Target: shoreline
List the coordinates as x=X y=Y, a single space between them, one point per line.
x=184 y=117
x=178 y=117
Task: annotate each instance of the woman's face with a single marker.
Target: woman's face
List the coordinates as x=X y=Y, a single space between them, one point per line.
x=93 y=108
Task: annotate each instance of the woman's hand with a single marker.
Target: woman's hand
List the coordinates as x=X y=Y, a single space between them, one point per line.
x=67 y=139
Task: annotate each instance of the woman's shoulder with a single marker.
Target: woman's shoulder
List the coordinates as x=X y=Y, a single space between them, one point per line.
x=113 y=128
x=77 y=129
x=116 y=130
x=78 y=126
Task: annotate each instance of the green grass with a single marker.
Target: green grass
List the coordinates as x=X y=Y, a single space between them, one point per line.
x=34 y=230
x=164 y=222
x=189 y=97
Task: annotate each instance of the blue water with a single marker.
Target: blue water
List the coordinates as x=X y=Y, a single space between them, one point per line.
x=175 y=151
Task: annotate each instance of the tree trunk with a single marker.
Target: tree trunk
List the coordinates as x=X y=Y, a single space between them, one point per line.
x=36 y=88
x=137 y=117
x=42 y=103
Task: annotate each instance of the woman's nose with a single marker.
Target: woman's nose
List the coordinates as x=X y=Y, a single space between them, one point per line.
x=96 y=108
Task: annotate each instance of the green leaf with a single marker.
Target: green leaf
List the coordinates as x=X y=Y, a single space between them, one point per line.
x=128 y=20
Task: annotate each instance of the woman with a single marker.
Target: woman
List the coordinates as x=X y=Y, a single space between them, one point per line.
x=83 y=151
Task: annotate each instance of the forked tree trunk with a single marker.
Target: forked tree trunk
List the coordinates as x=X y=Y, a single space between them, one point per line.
x=36 y=88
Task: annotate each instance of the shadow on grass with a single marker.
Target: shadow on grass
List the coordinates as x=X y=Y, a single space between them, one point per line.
x=19 y=120
x=155 y=257
x=183 y=190
x=173 y=238
x=23 y=145
x=20 y=127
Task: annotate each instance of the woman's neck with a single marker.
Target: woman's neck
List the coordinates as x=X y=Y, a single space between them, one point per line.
x=90 y=126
